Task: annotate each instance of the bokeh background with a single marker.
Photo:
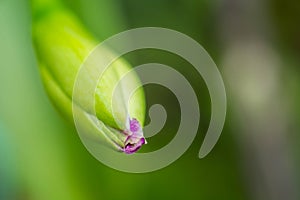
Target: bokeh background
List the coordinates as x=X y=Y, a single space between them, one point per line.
x=256 y=46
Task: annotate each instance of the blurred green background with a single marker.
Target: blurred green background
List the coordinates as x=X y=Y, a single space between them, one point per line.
x=256 y=46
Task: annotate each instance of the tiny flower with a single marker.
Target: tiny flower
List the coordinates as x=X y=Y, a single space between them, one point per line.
x=135 y=138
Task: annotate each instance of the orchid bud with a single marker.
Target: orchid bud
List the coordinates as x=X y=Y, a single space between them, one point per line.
x=62 y=44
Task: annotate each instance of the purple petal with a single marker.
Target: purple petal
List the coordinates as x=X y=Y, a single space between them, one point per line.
x=134 y=126
x=132 y=148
